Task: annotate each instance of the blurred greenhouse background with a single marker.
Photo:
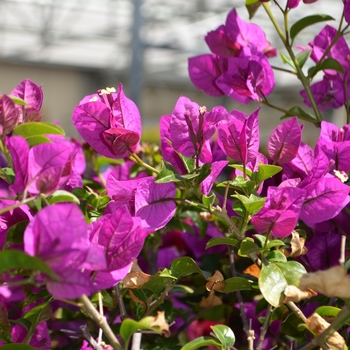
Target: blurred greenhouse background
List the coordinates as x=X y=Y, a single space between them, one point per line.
x=74 y=47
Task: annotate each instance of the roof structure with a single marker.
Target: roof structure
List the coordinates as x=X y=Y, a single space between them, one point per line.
x=150 y=38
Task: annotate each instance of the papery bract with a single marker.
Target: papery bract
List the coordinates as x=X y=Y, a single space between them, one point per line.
x=154 y=203
x=9 y=115
x=19 y=150
x=32 y=94
x=109 y=122
x=248 y=77
x=325 y=198
x=58 y=235
x=187 y=130
x=203 y=71
x=168 y=153
x=280 y=212
x=335 y=143
x=239 y=138
x=284 y=141
x=121 y=237
x=216 y=168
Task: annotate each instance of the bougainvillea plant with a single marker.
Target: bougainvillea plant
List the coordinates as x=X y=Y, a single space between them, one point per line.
x=201 y=242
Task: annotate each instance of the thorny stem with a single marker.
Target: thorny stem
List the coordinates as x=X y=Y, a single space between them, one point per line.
x=339 y=321
x=263 y=329
x=246 y=326
x=122 y=309
x=100 y=321
x=88 y=337
x=300 y=74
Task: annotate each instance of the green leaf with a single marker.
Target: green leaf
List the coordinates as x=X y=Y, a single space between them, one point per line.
x=290 y=326
x=208 y=201
x=39 y=313
x=275 y=243
x=240 y=168
x=189 y=163
x=274 y=278
x=167 y=174
x=225 y=335
x=297 y=27
x=288 y=60
x=156 y=283
x=302 y=57
x=62 y=196
x=100 y=161
x=15 y=259
x=235 y=284
x=37 y=140
x=301 y=114
x=37 y=128
x=17 y=100
x=204 y=172
x=221 y=240
x=201 y=342
x=247 y=247
x=276 y=255
x=129 y=327
x=17 y=346
x=328 y=63
x=328 y=311
x=186 y=266
x=264 y=172
x=252 y=6
x=16 y=232
x=252 y=204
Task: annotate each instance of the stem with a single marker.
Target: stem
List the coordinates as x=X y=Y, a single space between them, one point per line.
x=136 y=159
x=267 y=103
x=264 y=327
x=299 y=71
x=122 y=309
x=88 y=337
x=246 y=326
x=339 y=321
x=100 y=321
x=16 y=205
x=283 y=70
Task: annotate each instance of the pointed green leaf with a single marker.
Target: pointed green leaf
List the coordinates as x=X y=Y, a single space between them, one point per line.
x=276 y=256
x=252 y=204
x=204 y=172
x=225 y=335
x=302 y=57
x=247 y=247
x=288 y=60
x=39 y=313
x=15 y=259
x=290 y=326
x=37 y=140
x=265 y=171
x=37 y=128
x=301 y=114
x=252 y=6
x=17 y=100
x=221 y=240
x=167 y=174
x=60 y=196
x=186 y=266
x=297 y=27
x=275 y=243
x=328 y=63
x=208 y=201
x=235 y=284
x=240 y=168
x=16 y=232
x=201 y=342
